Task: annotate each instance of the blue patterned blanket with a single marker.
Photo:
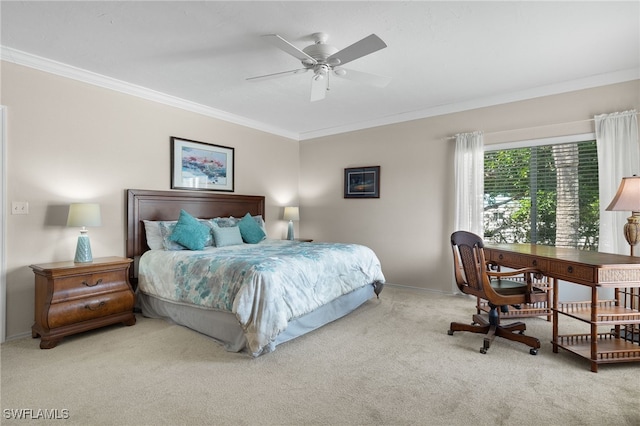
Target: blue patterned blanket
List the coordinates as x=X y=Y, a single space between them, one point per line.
x=265 y=285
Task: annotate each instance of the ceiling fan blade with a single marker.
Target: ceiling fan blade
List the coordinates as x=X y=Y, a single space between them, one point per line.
x=362 y=77
x=289 y=48
x=319 y=84
x=361 y=48
x=277 y=74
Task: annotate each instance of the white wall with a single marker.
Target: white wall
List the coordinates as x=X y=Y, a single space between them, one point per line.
x=69 y=141
x=409 y=226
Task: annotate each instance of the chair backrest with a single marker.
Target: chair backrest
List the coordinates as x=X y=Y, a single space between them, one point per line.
x=469 y=263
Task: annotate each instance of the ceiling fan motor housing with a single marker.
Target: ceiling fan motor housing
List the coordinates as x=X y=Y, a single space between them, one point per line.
x=320 y=52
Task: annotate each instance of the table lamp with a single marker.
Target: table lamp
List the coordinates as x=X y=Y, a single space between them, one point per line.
x=628 y=199
x=84 y=214
x=291 y=214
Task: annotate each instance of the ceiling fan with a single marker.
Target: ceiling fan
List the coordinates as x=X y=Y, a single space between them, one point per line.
x=325 y=60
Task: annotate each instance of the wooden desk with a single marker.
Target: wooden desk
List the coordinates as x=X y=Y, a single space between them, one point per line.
x=594 y=270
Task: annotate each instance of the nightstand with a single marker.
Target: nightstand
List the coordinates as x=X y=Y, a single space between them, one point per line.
x=74 y=297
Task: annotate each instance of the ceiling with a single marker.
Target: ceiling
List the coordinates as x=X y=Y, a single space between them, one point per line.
x=442 y=56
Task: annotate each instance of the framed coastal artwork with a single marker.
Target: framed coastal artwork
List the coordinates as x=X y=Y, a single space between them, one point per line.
x=362 y=182
x=201 y=166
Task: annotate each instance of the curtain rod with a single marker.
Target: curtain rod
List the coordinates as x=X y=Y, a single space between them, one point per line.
x=536 y=127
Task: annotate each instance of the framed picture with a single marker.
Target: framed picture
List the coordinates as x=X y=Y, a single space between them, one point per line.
x=201 y=166
x=362 y=182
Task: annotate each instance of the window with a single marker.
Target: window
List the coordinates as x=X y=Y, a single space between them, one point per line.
x=542 y=194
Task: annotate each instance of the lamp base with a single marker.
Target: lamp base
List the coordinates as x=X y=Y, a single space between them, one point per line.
x=83 y=249
x=290 y=231
x=632 y=230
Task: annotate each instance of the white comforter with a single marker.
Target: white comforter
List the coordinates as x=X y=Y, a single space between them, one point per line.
x=265 y=285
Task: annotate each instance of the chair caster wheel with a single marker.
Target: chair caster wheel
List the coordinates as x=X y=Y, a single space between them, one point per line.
x=533 y=351
x=450 y=332
x=483 y=351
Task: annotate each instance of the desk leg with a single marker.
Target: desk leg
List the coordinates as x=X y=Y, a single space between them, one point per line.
x=594 y=329
x=555 y=291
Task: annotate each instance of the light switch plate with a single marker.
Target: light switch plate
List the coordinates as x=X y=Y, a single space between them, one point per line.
x=19 y=207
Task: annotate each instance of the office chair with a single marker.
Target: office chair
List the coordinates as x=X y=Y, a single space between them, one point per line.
x=474 y=277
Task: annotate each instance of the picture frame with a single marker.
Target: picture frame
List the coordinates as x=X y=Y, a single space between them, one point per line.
x=362 y=182
x=201 y=166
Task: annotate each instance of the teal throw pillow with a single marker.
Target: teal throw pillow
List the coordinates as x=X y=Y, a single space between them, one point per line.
x=251 y=232
x=227 y=236
x=190 y=232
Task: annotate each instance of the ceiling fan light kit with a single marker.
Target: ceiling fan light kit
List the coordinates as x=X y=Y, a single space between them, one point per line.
x=323 y=60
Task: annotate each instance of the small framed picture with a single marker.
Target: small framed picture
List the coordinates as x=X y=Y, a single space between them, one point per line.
x=201 y=166
x=362 y=182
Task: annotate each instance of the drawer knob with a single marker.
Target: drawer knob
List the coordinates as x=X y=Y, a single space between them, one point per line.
x=96 y=307
x=500 y=256
x=92 y=285
x=570 y=269
x=535 y=263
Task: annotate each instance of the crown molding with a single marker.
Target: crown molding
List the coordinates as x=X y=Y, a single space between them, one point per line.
x=64 y=70
x=43 y=64
x=504 y=98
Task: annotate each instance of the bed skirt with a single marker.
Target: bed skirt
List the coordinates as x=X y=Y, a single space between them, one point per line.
x=225 y=328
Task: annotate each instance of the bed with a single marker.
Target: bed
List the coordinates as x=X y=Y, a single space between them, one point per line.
x=281 y=290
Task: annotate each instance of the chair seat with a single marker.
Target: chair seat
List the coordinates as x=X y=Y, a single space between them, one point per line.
x=507 y=287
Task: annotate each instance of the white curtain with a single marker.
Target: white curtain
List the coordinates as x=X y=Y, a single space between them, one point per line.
x=469 y=182
x=618 y=157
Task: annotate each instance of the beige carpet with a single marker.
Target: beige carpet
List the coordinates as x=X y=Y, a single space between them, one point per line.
x=391 y=362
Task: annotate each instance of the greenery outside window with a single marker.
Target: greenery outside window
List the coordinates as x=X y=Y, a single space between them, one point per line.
x=543 y=194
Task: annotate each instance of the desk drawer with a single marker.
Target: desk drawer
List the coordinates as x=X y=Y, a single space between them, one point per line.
x=517 y=261
x=572 y=273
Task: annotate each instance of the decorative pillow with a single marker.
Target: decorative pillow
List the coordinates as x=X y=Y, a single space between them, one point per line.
x=225 y=222
x=153 y=233
x=260 y=221
x=227 y=236
x=258 y=218
x=166 y=229
x=190 y=232
x=250 y=230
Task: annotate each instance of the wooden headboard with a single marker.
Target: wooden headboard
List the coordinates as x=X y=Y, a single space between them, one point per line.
x=166 y=205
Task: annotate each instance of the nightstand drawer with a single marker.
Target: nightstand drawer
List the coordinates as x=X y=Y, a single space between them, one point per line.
x=78 y=286
x=61 y=314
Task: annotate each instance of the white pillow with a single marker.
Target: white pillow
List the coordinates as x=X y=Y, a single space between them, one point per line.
x=154 y=234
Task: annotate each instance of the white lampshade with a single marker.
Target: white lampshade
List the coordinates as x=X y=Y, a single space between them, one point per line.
x=84 y=214
x=291 y=213
x=628 y=199
x=628 y=196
